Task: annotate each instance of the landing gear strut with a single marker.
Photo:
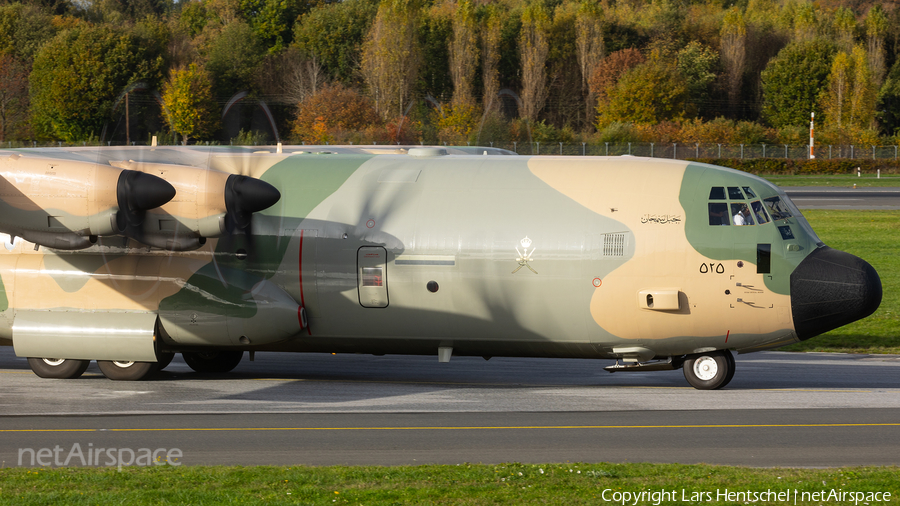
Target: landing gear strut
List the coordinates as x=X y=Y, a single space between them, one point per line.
x=709 y=371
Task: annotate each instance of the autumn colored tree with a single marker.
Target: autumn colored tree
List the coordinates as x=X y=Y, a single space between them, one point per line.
x=590 y=50
x=490 y=51
x=806 y=22
x=734 y=52
x=464 y=54
x=327 y=115
x=13 y=96
x=876 y=30
x=190 y=107
x=610 y=69
x=647 y=94
x=533 y=50
x=836 y=99
x=392 y=57
x=845 y=29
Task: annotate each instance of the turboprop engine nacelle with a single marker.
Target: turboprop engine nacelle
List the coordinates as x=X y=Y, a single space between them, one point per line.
x=208 y=203
x=68 y=204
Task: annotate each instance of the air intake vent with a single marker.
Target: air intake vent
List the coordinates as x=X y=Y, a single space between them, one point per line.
x=614 y=245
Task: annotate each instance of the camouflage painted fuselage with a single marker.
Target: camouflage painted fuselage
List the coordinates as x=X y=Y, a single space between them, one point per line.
x=594 y=257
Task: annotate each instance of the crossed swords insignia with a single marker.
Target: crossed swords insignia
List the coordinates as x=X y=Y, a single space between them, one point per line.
x=524 y=255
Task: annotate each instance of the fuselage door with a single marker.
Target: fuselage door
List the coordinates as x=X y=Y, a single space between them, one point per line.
x=371 y=276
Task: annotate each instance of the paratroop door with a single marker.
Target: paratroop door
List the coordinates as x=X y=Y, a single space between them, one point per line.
x=372 y=276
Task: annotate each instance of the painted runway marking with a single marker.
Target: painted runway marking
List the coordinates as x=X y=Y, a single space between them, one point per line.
x=523 y=427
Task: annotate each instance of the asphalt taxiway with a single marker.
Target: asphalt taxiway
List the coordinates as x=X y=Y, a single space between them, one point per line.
x=781 y=409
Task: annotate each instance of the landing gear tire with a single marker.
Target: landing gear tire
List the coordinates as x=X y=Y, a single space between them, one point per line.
x=709 y=371
x=213 y=361
x=163 y=360
x=58 y=368
x=126 y=371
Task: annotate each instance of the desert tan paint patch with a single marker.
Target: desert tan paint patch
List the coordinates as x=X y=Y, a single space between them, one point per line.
x=644 y=196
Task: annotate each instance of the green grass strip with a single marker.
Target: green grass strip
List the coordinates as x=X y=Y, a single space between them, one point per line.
x=557 y=484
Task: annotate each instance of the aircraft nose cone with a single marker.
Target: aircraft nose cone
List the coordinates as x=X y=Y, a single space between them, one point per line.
x=831 y=288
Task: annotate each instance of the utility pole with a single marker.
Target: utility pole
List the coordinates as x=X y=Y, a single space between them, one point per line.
x=812 y=141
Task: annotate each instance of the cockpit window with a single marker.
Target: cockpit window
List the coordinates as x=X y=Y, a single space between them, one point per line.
x=777 y=208
x=717 y=193
x=741 y=214
x=759 y=212
x=749 y=192
x=718 y=214
x=734 y=193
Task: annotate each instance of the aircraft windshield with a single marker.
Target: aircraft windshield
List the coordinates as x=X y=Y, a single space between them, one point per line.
x=778 y=209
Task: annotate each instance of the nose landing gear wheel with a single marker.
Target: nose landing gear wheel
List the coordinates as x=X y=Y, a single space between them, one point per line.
x=709 y=371
x=126 y=371
x=213 y=361
x=58 y=368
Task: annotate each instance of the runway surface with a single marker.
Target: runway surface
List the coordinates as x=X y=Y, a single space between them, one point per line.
x=781 y=409
x=822 y=197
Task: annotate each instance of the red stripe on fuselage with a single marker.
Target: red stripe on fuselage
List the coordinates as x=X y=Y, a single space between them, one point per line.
x=300 y=271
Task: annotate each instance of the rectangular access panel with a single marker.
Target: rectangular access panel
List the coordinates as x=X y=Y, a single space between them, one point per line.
x=372 y=276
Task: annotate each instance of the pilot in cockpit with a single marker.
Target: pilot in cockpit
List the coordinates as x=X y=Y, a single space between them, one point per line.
x=743 y=216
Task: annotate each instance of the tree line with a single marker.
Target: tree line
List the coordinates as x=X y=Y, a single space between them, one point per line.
x=477 y=71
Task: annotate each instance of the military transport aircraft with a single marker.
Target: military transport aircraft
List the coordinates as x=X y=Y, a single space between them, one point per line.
x=128 y=255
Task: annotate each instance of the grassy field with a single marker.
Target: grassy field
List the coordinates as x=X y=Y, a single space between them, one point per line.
x=557 y=484
x=866 y=181
x=875 y=237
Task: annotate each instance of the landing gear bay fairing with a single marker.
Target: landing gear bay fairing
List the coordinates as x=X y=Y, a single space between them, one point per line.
x=129 y=255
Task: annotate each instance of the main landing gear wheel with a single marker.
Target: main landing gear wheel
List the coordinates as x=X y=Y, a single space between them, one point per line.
x=213 y=361
x=58 y=368
x=709 y=371
x=126 y=371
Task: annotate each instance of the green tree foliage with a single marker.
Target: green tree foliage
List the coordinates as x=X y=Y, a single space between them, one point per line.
x=889 y=101
x=233 y=57
x=435 y=33
x=698 y=64
x=333 y=35
x=272 y=21
x=24 y=28
x=190 y=108
x=78 y=74
x=792 y=81
x=649 y=93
